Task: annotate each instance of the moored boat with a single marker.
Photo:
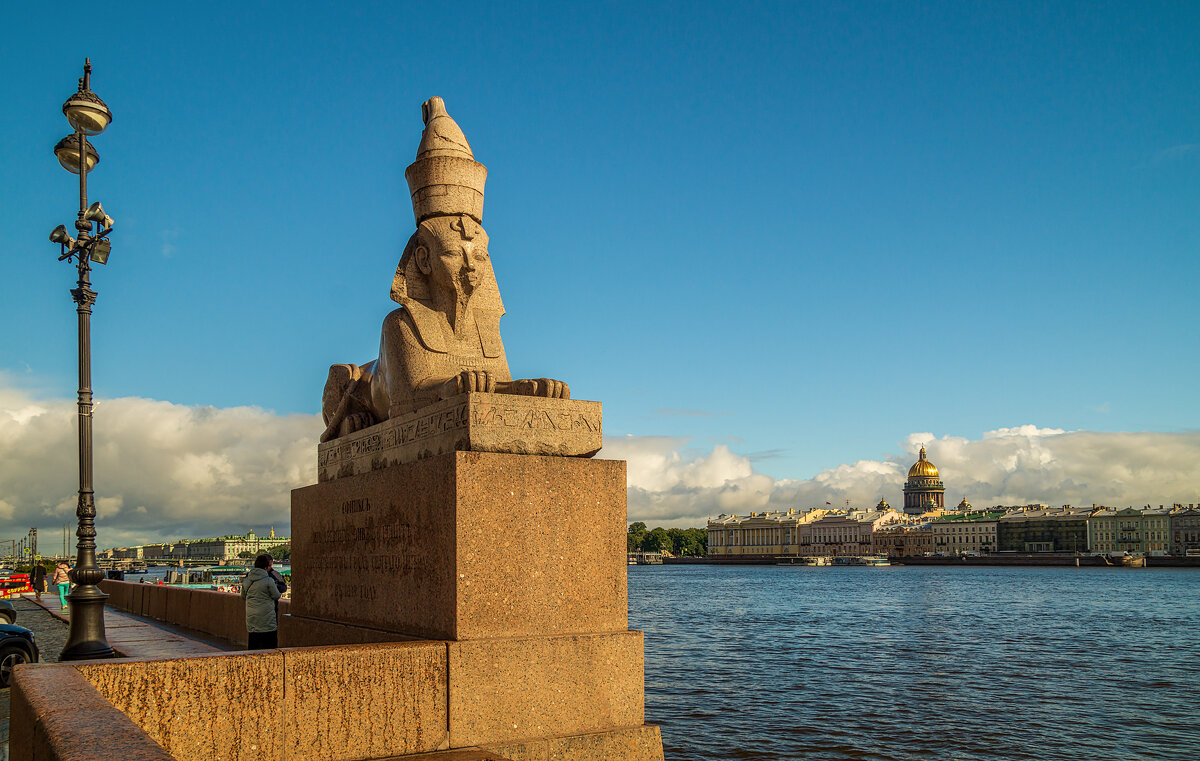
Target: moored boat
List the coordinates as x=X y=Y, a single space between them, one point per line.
x=803 y=560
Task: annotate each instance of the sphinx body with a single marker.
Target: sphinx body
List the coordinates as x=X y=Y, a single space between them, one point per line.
x=444 y=340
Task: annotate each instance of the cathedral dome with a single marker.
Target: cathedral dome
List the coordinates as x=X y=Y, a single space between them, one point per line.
x=923 y=468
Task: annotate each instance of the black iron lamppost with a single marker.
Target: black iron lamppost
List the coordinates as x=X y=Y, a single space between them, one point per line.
x=89 y=116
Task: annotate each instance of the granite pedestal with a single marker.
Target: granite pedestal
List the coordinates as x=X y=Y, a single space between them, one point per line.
x=516 y=564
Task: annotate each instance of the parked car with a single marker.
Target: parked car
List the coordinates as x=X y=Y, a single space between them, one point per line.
x=16 y=647
x=8 y=614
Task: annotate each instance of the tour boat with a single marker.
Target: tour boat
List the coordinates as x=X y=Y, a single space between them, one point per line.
x=873 y=560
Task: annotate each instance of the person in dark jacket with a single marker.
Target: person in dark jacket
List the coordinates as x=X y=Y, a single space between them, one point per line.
x=38 y=580
x=261 y=594
x=280 y=584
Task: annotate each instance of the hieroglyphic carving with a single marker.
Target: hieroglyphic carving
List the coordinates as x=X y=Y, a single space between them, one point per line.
x=473 y=422
x=542 y=420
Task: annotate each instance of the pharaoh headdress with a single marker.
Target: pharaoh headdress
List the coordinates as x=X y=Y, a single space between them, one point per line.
x=446 y=183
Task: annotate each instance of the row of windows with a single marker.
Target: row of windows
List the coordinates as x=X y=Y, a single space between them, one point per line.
x=770 y=537
x=1129 y=536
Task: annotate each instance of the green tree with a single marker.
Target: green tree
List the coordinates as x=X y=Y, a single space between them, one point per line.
x=637 y=533
x=678 y=538
x=281 y=552
x=656 y=541
x=247 y=554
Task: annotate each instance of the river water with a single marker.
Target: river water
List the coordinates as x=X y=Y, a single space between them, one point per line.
x=766 y=662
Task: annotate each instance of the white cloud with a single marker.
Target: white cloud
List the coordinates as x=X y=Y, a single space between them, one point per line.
x=162 y=470
x=670 y=486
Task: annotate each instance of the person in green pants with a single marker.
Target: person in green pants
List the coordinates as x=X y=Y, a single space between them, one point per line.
x=62 y=579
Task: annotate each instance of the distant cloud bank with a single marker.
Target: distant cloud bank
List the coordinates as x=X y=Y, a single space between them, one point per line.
x=1010 y=466
x=163 y=471
x=166 y=471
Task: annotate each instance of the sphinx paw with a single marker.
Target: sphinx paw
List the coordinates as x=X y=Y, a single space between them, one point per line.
x=357 y=422
x=547 y=387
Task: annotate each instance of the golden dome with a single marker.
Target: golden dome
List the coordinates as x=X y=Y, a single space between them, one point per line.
x=923 y=468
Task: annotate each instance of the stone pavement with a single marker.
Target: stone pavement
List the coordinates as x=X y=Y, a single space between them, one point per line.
x=136 y=637
x=51 y=635
x=131 y=636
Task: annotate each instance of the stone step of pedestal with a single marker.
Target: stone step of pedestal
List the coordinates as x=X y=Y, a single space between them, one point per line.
x=640 y=743
x=301 y=631
x=462 y=754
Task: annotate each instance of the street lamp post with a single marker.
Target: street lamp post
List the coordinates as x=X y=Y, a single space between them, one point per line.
x=88 y=115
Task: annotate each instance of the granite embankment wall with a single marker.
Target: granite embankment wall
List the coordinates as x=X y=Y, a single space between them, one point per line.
x=219 y=614
x=492 y=699
x=223 y=615
x=472 y=700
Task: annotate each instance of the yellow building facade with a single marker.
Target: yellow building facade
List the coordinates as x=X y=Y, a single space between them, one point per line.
x=758 y=535
x=1130 y=530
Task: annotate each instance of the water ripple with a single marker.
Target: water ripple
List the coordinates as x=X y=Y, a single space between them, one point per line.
x=906 y=663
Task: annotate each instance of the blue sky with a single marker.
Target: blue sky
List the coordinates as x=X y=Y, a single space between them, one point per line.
x=803 y=232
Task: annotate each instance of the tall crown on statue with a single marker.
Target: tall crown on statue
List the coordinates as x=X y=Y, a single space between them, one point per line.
x=445 y=180
x=446 y=183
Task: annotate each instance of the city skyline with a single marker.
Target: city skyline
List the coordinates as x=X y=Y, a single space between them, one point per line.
x=783 y=246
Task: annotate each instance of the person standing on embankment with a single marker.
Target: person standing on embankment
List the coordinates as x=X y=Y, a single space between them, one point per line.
x=260 y=593
x=62 y=579
x=37 y=578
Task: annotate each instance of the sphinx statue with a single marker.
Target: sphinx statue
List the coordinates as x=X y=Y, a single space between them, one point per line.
x=444 y=340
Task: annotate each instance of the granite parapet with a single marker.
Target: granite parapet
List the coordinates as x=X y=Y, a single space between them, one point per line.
x=364 y=701
x=57 y=715
x=204 y=708
x=507 y=689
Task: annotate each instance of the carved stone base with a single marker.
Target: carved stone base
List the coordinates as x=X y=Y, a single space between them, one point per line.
x=468 y=423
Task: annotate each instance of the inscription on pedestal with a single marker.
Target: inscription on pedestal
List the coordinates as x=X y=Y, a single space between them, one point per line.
x=358 y=543
x=466 y=545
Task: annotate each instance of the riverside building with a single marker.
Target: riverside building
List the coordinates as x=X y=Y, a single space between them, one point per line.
x=1062 y=529
x=850 y=533
x=1185 y=530
x=767 y=535
x=911 y=540
x=757 y=535
x=965 y=532
x=217 y=548
x=1129 y=530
